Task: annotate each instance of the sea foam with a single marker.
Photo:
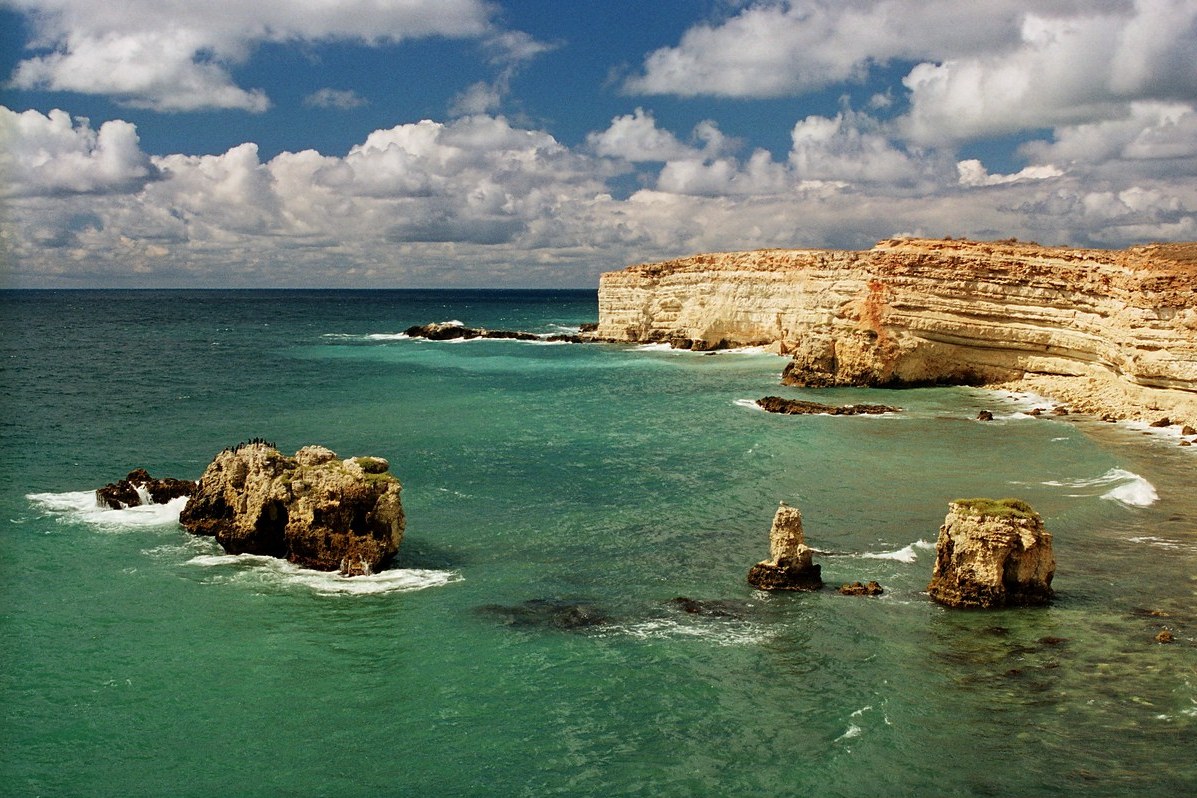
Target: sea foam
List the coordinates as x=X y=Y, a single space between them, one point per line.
x=1125 y=487
x=82 y=506
x=272 y=572
x=907 y=554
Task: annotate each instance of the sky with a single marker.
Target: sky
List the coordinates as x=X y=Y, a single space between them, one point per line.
x=539 y=143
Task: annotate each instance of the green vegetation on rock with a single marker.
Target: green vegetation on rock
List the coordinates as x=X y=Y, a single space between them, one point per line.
x=996 y=508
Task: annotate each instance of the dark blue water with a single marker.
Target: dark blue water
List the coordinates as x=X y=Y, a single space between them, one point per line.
x=140 y=661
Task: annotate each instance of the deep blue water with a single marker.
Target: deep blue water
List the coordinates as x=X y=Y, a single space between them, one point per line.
x=140 y=661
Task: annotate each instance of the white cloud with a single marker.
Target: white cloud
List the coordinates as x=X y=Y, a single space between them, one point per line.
x=636 y=137
x=479 y=201
x=53 y=154
x=339 y=99
x=176 y=56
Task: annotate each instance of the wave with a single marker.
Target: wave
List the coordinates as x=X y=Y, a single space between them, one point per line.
x=721 y=634
x=263 y=571
x=750 y=404
x=906 y=554
x=1125 y=487
x=82 y=506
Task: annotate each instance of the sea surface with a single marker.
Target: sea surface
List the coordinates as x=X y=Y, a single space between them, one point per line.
x=559 y=497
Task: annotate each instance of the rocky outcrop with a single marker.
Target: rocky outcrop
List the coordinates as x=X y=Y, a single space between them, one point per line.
x=452 y=331
x=313 y=509
x=139 y=488
x=798 y=407
x=1111 y=332
x=992 y=554
x=789 y=566
x=871 y=588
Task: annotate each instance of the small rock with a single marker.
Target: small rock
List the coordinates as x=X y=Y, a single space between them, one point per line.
x=1163 y=422
x=1185 y=443
x=985 y=415
x=1165 y=637
x=789 y=566
x=1109 y=419
x=1060 y=411
x=858 y=589
x=1038 y=411
x=1187 y=430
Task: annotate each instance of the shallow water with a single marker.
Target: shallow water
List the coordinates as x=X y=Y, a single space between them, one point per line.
x=539 y=479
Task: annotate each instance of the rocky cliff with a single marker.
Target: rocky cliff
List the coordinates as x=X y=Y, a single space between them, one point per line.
x=1111 y=331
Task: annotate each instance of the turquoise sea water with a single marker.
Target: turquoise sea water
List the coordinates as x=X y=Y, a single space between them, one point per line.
x=543 y=482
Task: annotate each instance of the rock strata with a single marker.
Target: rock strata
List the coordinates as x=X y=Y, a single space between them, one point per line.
x=992 y=554
x=139 y=488
x=790 y=565
x=1110 y=332
x=798 y=407
x=312 y=509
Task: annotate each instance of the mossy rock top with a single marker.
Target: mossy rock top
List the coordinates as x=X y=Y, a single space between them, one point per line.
x=995 y=508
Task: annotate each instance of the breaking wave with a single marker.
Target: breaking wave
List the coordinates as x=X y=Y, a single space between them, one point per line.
x=1124 y=487
x=721 y=634
x=906 y=554
x=271 y=572
x=82 y=506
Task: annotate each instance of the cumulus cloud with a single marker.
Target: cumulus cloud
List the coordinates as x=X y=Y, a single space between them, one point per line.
x=177 y=56
x=980 y=69
x=338 y=99
x=481 y=201
x=45 y=154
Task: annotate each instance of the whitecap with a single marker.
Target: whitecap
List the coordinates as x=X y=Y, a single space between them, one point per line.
x=853 y=731
x=749 y=404
x=721 y=634
x=1163 y=543
x=656 y=348
x=387 y=337
x=906 y=554
x=264 y=571
x=1126 y=487
x=82 y=506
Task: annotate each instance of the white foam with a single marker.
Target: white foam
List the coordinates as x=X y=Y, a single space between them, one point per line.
x=1127 y=487
x=266 y=571
x=853 y=731
x=387 y=337
x=1164 y=543
x=82 y=506
x=905 y=554
x=656 y=348
x=721 y=634
x=749 y=404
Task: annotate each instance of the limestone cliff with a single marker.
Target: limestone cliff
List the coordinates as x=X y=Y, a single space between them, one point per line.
x=1114 y=331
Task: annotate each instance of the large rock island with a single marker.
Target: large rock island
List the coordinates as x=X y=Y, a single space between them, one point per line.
x=1110 y=332
x=313 y=509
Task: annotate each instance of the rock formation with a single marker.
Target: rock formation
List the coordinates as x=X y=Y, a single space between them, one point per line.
x=992 y=554
x=451 y=331
x=313 y=509
x=872 y=588
x=789 y=566
x=140 y=488
x=798 y=407
x=1110 y=332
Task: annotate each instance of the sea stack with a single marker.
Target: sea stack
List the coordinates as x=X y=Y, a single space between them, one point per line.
x=992 y=553
x=312 y=509
x=789 y=566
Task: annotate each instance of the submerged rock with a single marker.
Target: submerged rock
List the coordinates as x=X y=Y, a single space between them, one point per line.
x=709 y=608
x=789 y=566
x=312 y=509
x=140 y=488
x=985 y=415
x=798 y=407
x=992 y=554
x=551 y=613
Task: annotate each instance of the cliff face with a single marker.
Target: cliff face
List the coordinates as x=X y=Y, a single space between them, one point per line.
x=1120 y=327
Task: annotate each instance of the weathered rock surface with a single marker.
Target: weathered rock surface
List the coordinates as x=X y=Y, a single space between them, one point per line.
x=798 y=407
x=789 y=566
x=140 y=488
x=313 y=509
x=1111 y=332
x=870 y=588
x=992 y=554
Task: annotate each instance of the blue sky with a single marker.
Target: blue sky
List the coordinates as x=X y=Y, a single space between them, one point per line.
x=394 y=143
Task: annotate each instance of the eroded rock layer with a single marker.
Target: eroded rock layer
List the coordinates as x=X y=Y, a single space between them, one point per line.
x=1115 y=331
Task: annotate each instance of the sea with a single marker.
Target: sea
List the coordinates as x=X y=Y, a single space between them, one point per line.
x=560 y=499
